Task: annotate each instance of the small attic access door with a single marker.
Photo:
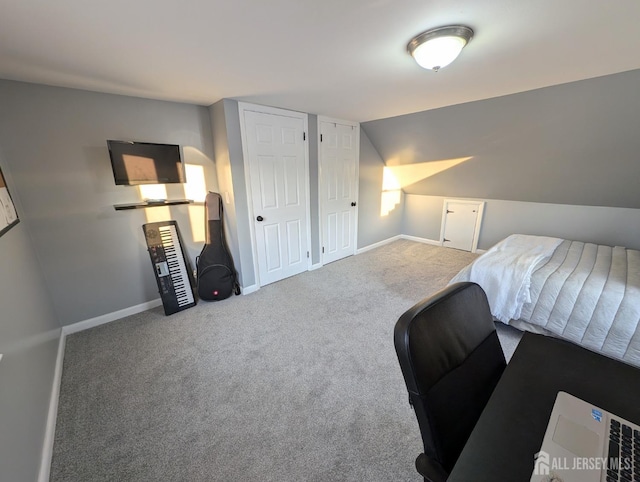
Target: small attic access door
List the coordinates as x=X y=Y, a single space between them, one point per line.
x=461 y=222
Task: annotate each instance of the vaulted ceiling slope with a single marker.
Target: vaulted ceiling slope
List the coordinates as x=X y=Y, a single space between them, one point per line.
x=344 y=59
x=574 y=143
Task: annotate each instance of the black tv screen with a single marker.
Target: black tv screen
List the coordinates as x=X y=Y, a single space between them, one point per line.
x=145 y=163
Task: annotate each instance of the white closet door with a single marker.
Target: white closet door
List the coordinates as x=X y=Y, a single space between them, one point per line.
x=338 y=168
x=278 y=178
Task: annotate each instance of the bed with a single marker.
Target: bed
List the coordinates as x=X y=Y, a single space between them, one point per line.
x=583 y=292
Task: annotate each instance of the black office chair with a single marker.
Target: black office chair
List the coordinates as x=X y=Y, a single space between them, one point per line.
x=451 y=360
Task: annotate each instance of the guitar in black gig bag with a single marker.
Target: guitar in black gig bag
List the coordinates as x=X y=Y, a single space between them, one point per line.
x=216 y=274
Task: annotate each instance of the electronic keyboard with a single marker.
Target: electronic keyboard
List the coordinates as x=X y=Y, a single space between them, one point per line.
x=172 y=268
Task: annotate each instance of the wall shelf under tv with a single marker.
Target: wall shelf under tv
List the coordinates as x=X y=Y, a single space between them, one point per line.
x=151 y=204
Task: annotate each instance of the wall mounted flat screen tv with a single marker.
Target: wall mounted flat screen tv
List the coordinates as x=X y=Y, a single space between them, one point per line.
x=145 y=163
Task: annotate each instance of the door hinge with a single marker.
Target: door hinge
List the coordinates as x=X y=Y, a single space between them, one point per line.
x=304 y=136
x=307 y=254
x=323 y=250
x=320 y=137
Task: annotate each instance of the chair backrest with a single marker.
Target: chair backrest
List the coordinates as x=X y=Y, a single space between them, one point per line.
x=451 y=360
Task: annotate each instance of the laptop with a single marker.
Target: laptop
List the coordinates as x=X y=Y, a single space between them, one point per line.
x=584 y=443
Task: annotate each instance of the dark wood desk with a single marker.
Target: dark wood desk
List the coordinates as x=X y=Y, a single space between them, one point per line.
x=512 y=426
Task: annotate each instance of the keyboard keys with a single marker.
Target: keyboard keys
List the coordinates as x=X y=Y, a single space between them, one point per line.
x=174 y=284
x=614 y=453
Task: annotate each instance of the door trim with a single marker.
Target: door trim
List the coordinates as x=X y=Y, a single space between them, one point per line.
x=476 y=229
x=356 y=125
x=263 y=109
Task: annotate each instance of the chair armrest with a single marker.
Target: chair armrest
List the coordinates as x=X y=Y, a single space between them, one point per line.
x=430 y=469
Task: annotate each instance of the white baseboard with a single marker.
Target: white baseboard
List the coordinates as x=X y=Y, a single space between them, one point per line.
x=247 y=290
x=50 y=431
x=108 y=317
x=378 y=244
x=433 y=242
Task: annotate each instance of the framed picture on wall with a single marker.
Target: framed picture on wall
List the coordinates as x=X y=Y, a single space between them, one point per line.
x=8 y=214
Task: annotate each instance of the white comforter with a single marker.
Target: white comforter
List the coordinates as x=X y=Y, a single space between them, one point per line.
x=586 y=293
x=504 y=272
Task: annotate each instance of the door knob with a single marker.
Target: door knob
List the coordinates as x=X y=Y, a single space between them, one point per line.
x=259 y=218
x=353 y=203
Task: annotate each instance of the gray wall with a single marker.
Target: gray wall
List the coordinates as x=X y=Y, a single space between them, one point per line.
x=594 y=224
x=576 y=144
x=230 y=166
x=234 y=139
x=29 y=336
x=314 y=187
x=372 y=226
x=225 y=184
x=422 y=216
x=55 y=143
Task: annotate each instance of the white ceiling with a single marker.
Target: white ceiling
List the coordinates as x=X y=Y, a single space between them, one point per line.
x=342 y=58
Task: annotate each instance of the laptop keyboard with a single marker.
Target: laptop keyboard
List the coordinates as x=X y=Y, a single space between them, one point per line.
x=624 y=453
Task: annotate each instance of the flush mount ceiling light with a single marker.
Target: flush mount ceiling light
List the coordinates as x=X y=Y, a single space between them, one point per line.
x=438 y=47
